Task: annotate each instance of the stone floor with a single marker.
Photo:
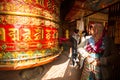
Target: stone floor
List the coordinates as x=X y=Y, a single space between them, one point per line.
x=60 y=69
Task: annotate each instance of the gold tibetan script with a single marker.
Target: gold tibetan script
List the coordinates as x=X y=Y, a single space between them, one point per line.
x=2 y=34
x=48 y=35
x=26 y=35
x=41 y=2
x=39 y=34
x=14 y=34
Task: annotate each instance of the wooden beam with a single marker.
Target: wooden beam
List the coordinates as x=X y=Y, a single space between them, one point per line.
x=101 y=9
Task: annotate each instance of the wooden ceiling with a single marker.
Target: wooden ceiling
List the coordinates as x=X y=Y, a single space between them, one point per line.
x=75 y=9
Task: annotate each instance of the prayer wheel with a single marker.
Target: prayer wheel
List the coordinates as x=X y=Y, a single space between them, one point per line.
x=28 y=33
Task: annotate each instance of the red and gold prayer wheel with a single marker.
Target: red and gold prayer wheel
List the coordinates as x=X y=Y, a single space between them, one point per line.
x=28 y=33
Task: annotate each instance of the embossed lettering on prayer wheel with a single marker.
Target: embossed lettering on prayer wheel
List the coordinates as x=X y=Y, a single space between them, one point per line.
x=28 y=33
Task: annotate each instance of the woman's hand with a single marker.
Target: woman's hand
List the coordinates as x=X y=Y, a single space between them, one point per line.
x=96 y=62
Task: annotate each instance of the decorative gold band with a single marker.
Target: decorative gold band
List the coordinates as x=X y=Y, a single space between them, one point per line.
x=26 y=15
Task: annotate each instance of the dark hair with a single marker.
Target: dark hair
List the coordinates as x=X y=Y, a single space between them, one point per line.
x=76 y=30
x=84 y=33
x=91 y=26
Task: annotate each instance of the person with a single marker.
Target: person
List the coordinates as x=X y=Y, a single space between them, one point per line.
x=83 y=39
x=80 y=49
x=75 y=39
x=110 y=56
x=92 y=52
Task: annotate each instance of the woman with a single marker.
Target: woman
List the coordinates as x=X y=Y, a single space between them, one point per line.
x=92 y=53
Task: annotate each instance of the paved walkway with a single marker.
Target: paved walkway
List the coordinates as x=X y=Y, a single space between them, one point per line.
x=60 y=69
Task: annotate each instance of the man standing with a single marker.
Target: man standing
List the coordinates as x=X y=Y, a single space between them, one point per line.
x=75 y=40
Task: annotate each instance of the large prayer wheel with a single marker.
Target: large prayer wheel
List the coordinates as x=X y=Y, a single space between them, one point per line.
x=28 y=33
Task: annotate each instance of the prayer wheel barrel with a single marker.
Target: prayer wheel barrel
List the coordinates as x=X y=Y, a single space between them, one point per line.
x=28 y=33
